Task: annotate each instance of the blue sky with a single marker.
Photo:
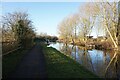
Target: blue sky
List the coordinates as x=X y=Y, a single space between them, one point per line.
x=45 y=15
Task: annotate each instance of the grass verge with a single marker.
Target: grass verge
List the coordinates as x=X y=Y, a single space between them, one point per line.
x=10 y=61
x=61 y=66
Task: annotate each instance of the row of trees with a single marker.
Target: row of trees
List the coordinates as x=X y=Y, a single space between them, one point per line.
x=101 y=17
x=45 y=37
x=17 y=27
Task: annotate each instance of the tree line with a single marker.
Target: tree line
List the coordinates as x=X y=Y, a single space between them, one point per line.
x=18 y=27
x=100 y=17
x=44 y=37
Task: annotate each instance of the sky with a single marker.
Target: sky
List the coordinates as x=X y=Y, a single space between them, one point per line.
x=58 y=0
x=45 y=15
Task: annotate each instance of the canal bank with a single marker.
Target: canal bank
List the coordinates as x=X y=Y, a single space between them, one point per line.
x=61 y=66
x=94 y=60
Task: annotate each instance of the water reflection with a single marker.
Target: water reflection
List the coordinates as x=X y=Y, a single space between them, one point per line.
x=113 y=68
x=98 y=61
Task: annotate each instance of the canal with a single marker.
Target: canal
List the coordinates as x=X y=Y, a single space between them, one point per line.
x=100 y=62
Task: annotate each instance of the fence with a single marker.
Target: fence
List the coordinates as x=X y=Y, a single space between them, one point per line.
x=8 y=47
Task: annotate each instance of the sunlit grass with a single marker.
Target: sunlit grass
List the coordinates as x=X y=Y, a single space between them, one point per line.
x=61 y=66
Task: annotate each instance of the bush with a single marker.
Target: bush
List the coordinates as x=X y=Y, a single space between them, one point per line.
x=103 y=45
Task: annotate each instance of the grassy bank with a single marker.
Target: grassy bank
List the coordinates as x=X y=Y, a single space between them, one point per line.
x=10 y=61
x=61 y=66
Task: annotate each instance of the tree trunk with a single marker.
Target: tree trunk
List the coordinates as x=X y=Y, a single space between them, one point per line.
x=118 y=26
x=106 y=26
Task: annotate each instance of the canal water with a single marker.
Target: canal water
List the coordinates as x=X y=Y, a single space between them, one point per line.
x=99 y=62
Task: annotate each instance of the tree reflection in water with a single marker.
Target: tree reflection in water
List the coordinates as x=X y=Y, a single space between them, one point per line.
x=100 y=62
x=113 y=68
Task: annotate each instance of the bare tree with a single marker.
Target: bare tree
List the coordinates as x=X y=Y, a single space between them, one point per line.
x=88 y=14
x=18 y=25
x=65 y=30
x=68 y=28
x=110 y=20
x=118 y=25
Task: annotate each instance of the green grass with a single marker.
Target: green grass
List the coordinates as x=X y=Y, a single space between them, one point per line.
x=10 y=61
x=61 y=66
